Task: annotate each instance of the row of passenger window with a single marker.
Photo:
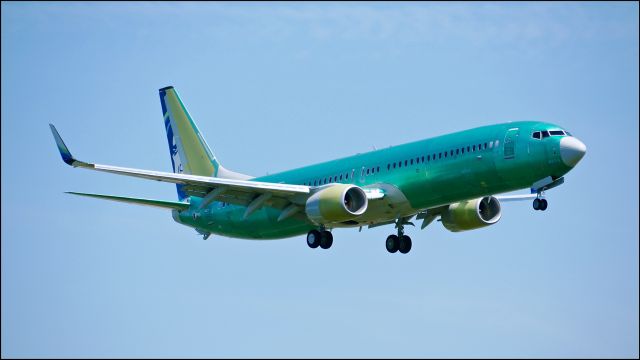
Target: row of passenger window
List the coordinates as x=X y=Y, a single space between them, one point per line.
x=330 y=179
x=440 y=155
x=408 y=162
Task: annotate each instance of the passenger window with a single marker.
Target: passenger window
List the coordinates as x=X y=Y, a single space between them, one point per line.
x=411 y=161
x=536 y=135
x=428 y=157
x=497 y=143
x=439 y=155
x=378 y=169
x=422 y=158
x=485 y=146
x=367 y=171
x=468 y=148
x=474 y=148
x=388 y=167
x=405 y=163
x=394 y=165
x=457 y=151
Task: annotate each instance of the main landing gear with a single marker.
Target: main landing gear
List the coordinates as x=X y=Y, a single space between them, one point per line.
x=322 y=238
x=400 y=242
x=539 y=204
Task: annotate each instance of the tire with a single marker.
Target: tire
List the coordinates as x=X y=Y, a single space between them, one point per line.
x=326 y=239
x=536 y=204
x=543 y=204
x=404 y=244
x=313 y=238
x=392 y=243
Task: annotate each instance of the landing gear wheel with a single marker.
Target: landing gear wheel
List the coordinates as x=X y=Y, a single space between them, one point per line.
x=326 y=239
x=543 y=204
x=536 y=204
x=404 y=244
x=392 y=243
x=313 y=238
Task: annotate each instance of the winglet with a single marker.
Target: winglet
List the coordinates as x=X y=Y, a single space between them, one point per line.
x=64 y=151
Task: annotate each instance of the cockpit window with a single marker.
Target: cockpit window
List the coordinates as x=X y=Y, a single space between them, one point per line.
x=536 y=135
x=545 y=133
x=556 y=133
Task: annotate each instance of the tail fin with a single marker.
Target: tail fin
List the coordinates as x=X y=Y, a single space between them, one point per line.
x=194 y=156
x=190 y=153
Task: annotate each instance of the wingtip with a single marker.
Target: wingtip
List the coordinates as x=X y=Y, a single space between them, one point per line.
x=62 y=148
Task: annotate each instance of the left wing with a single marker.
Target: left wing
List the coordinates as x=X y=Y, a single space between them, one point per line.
x=241 y=192
x=252 y=194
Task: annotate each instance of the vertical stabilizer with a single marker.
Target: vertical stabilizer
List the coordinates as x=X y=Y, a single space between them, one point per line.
x=189 y=152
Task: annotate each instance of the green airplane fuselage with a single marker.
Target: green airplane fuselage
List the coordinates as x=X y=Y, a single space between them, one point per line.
x=442 y=170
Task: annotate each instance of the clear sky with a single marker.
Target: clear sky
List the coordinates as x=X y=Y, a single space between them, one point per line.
x=281 y=85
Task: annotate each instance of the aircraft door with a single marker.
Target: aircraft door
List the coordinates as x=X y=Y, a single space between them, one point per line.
x=510 y=143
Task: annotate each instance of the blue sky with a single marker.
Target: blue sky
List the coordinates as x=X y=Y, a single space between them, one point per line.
x=280 y=85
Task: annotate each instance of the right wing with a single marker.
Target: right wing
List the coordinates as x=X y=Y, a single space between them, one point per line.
x=508 y=198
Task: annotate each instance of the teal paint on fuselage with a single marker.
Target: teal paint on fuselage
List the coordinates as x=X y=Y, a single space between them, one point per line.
x=426 y=184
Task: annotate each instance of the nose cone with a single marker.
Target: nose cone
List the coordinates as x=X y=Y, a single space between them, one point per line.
x=571 y=150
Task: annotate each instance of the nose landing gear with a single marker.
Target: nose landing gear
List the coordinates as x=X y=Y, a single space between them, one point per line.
x=540 y=204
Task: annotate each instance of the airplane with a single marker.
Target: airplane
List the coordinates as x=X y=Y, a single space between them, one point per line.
x=456 y=178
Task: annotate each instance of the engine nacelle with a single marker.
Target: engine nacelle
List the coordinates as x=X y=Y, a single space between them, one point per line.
x=337 y=203
x=472 y=214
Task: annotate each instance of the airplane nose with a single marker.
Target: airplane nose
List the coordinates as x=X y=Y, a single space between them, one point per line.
x=571 y=150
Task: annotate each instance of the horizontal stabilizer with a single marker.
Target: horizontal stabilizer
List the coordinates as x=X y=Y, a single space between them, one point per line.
x=155 y=203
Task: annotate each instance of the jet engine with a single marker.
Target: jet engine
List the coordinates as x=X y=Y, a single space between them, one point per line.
x=472 y=214
x=337 y=203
